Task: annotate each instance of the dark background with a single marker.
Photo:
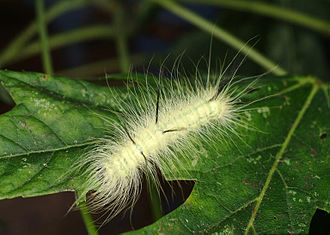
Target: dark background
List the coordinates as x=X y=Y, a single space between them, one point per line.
x=297 y=49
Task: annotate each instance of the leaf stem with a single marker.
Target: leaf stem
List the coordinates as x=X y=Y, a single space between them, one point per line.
x=271 y=10
x=87 y=218
x=222 y=35
x=46 y=57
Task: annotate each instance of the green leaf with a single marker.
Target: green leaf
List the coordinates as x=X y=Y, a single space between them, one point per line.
x=53 y=121
x=272 y=181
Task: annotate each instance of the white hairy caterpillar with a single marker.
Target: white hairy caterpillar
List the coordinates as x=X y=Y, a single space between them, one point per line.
x=162 y=122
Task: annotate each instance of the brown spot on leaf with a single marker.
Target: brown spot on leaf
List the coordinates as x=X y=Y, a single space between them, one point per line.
x=313 y=152
x=23 y=124
x=246 y=182
x=308 y=185
x=44 y=77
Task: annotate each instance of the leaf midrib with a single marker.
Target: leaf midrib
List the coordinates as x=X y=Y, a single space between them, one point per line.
x=279 y=155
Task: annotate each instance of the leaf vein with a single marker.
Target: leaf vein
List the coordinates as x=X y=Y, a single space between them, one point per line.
x=33 y=176
x=279 y=155
x=13 y=141
x=49 y=150
x=286 y=197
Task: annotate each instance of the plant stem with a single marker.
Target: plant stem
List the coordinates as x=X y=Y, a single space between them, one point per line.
x=66 y=38
x=222 y=35
x=155 y=201
x=123 y=52
x=87 y=218
x=122 y=48
x=15 y=46
x=46 y=57
x=271 y=10
x=10 y=53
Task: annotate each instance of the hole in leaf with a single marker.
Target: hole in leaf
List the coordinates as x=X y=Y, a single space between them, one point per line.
x=40 y=215
x=320 y=222
x=171 y=196
x=6 y=102
x=323 y=136
x=5 y=107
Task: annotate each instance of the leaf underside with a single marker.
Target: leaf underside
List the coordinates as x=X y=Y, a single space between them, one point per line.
x=268 y=180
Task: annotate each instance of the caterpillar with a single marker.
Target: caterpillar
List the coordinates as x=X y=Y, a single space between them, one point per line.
x=159 y=128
